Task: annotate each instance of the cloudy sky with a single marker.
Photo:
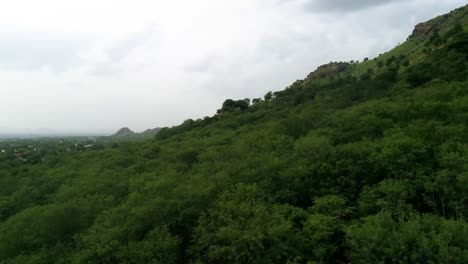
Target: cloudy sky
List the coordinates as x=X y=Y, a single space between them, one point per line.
x=95 y=66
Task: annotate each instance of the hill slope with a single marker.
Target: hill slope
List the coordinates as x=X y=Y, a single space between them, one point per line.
x=359 y=162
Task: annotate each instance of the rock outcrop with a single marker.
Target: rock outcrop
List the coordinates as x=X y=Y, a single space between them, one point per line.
x=327 y=71
x=423 y=30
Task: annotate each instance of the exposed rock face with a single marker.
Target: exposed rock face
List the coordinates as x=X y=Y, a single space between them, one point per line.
x=423 y=30
x=328 y=70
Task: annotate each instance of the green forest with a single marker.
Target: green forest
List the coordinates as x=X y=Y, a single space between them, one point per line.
x=360 y=162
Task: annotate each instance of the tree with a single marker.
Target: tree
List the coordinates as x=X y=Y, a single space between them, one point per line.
x=268 y=96
x=391 y=196
x=230 y=105
x=420 y=239
x=256 y=100
x=323 y=229
x=244 y=227
x=380 y=64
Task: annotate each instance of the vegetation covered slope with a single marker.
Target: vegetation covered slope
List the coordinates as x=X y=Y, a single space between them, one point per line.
x=359 y=162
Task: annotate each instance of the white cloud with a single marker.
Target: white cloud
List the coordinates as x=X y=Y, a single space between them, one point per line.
x=344 y=5
x=100 y=65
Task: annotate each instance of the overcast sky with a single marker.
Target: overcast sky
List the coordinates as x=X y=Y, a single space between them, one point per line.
x=96 y=66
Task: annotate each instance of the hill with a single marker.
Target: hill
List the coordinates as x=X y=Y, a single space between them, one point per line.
x=123 y=132
x=360 y=162
x=127 y=135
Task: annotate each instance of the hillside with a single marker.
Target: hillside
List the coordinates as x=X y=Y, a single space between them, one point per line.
x=359 y=162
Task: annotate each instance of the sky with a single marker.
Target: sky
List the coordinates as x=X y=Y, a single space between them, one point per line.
x=94 y=66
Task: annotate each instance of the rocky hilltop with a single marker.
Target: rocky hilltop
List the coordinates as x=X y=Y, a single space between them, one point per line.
x=326 y=71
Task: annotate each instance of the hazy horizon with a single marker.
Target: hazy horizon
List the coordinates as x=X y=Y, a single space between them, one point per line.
x=6 y=132
x=67 y=70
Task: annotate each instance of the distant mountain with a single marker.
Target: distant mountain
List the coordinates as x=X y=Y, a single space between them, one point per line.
x=124 y=132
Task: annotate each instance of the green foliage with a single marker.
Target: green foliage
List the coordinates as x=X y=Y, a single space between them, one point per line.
x=391 y=196
x=230 y=105
x=420 y=74
x=323 y=229
x=420 y=239
x=243 y=227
